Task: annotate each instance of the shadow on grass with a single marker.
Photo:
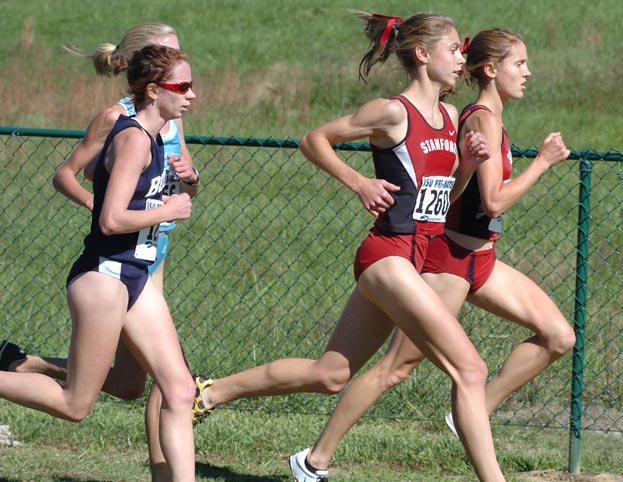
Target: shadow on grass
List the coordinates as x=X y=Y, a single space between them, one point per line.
x=201 y=469
x=227 y=475
x=204 y=470
x=62 y=478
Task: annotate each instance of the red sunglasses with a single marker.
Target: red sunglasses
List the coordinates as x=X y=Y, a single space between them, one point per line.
x=180 y=88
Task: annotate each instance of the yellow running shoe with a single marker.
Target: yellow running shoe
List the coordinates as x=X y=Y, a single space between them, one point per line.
x=200 y=412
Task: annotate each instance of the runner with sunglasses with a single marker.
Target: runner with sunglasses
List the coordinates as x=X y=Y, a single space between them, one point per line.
x=180 y=88
x=109 y=291
x=126 y=378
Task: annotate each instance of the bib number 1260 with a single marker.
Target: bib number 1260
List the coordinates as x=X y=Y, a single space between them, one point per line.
x=433 y=199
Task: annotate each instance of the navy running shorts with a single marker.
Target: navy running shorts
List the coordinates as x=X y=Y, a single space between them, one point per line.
x=134 y=277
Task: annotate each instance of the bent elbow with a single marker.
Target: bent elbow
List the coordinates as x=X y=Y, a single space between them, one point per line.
x=57 y=182
x=492 y=210
x=106 y=229
x=304 y=145
x=494 y=213
x=108 y=225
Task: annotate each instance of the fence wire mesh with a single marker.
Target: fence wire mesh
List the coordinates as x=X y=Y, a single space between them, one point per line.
x=263 y=269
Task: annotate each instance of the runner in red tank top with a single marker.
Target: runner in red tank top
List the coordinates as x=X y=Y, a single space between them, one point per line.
x=461 y=263
x=408 y=200
x=421 y=164
x=390 y=290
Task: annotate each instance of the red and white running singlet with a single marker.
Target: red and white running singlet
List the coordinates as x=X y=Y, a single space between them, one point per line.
x=421 y=164
x=466 y=215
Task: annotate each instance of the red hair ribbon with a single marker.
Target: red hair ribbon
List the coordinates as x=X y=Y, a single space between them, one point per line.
x=463 y=48
x=391 y=22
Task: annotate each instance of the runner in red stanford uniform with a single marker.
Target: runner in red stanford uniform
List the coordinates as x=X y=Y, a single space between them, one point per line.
x=461 y=263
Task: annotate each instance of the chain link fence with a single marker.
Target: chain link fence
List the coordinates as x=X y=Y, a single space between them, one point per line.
x=263 y=269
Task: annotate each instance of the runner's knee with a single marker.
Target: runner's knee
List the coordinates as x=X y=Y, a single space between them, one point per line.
x=471 y=372
x=179 y=394
x=562 y=341
x=331 y=379
x=400 y=374
x=132 y=392
x=76 y=410
x=132 y=389
x=126 y=386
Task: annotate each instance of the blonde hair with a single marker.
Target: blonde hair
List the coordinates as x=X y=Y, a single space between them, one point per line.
x=422 y=29
x=488 y=47
x=110 y=59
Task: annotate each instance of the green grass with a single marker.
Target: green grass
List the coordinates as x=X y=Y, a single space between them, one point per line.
x=234 y=446
x=278 y=68
x=262 y=271
x=264 y=267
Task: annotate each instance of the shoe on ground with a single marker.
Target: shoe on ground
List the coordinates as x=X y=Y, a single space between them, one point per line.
x=200 y=412
x=9 y=354
x=450 y=423
x=301 y=473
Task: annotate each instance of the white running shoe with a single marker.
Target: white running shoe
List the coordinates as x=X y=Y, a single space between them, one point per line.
x=450 y=423
x=301 y=473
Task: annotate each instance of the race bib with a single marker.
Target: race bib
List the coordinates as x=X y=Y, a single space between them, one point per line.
x=147 y=240
x=433 y=199
x=172 y=186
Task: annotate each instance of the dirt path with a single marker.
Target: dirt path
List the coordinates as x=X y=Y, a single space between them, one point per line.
x=556 y=476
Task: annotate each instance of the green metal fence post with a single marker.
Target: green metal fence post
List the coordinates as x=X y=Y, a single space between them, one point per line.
x=579 y=316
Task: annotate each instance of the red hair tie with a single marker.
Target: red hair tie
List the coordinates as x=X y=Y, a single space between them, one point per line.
x=392 y=22
x=463 y=48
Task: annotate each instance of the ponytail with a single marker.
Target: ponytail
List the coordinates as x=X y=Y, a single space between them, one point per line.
x=389 y=35
x=382 y=32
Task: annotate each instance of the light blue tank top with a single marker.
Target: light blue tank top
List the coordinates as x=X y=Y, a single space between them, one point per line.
x=171 y=140
x=171 y=143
